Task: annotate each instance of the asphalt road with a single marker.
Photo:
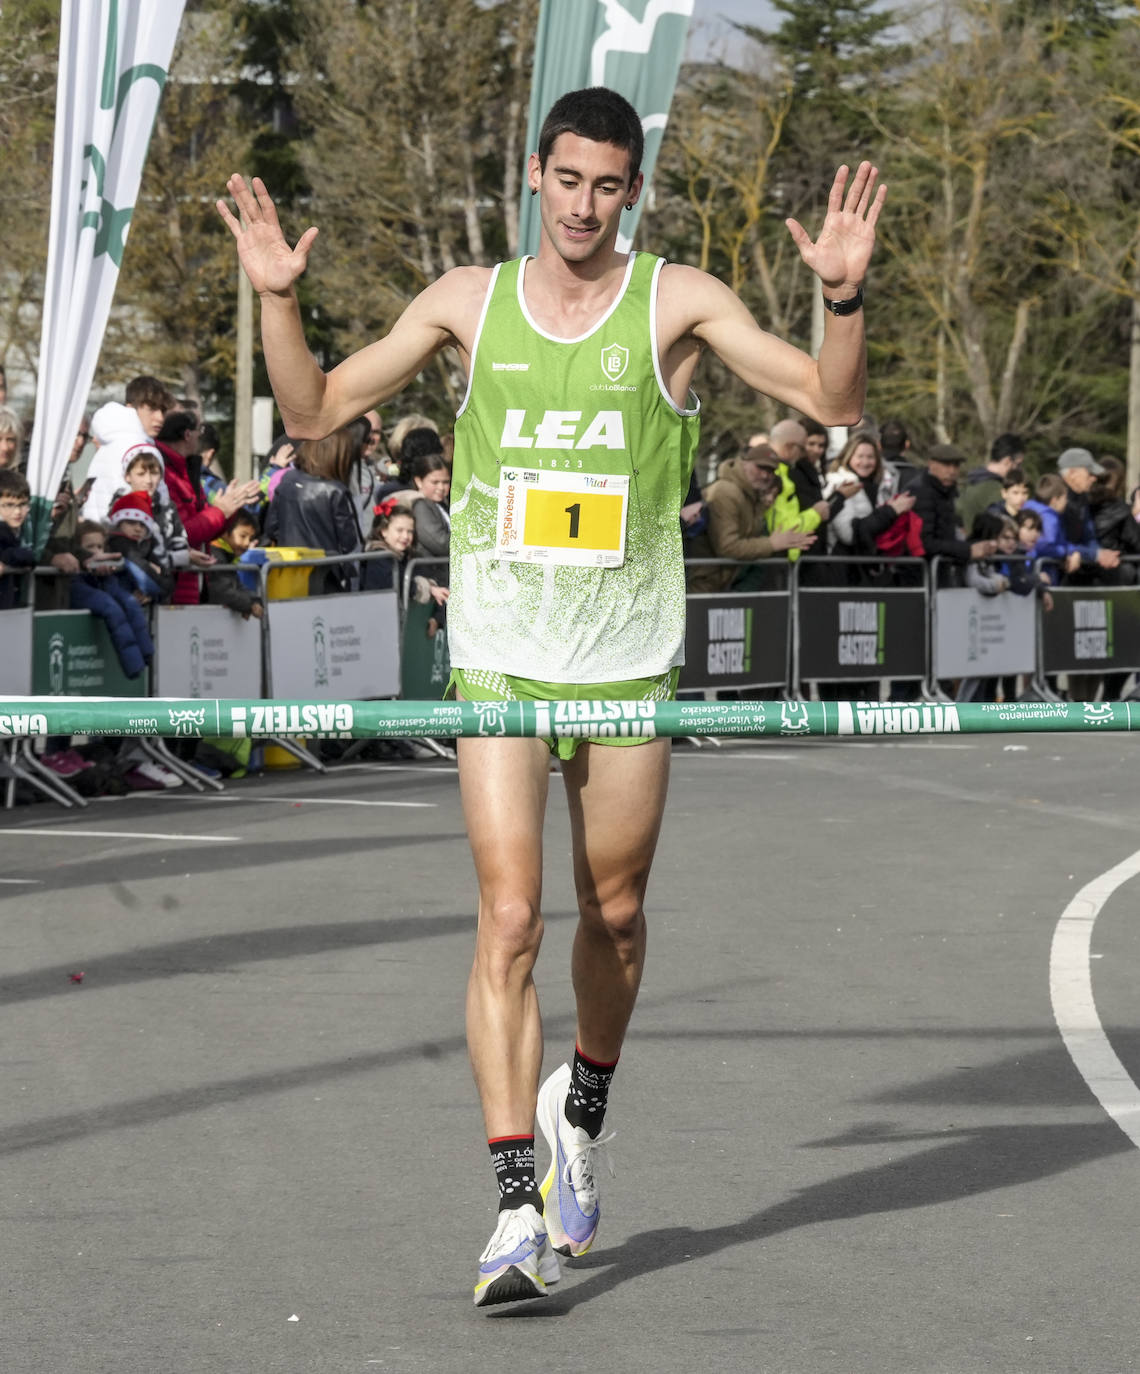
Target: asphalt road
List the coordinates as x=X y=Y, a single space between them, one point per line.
x=850 y=1137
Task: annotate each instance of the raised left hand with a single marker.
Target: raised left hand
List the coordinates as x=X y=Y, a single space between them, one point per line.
x=840 y=254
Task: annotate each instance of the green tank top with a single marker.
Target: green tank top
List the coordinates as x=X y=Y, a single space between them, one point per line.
x=572 y=426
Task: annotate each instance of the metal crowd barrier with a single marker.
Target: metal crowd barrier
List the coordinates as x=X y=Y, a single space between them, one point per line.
x=1093 y=628
x=778 y=638
x=739 y=637
x=861 y=632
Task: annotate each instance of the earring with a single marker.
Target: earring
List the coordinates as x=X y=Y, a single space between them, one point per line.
x=629 y=205
x=534 y=190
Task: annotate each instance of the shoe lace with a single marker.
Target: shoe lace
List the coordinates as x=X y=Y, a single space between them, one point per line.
x=581 y=1169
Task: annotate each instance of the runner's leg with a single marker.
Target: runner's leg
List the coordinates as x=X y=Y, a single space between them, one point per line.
x=504 y=783
x=616 y=797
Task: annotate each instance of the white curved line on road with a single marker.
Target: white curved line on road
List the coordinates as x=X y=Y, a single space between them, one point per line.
x=1074 y=1008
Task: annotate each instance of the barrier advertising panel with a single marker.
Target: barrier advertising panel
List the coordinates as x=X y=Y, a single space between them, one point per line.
x=425 y=664
x=16 y=660
x=1091 y=630
x=852 y=635
x=334 y=646
x=983 y=636
x=72 y=655
x=206 y=651
x=736 y=639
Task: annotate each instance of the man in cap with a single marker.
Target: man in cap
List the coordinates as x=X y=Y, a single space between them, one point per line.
x=935 y=490
x=1078 y=470
x=744 y=522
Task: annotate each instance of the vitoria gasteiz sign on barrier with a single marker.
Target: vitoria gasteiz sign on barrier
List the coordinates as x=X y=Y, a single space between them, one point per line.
x=853 y=634
x=30 y=716
x=1091 y=630
x=736 y=639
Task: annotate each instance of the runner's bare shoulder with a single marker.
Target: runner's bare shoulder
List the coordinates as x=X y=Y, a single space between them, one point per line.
x=454 y=302
x=686 y=298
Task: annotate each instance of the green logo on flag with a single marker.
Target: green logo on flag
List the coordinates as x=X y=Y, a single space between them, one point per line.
x=111 y=222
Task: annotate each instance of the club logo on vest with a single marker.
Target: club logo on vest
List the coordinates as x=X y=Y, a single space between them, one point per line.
x=615 y=360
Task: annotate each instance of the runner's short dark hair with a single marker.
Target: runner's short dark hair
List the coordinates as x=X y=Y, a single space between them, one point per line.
x=599 y=114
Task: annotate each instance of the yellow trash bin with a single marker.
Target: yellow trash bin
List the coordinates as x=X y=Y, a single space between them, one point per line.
x=285 y=583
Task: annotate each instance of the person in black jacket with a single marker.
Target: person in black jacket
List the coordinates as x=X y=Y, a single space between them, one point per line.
x=313 y=508
x=934 y=491
x=1114 y=521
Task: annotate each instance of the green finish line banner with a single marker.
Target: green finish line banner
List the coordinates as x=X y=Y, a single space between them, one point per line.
x=28 y=716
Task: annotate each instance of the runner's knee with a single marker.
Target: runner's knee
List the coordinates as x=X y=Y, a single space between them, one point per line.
x=510 y=930
x=620 y=917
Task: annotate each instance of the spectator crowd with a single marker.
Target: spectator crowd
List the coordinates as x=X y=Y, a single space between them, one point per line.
x=157 y=520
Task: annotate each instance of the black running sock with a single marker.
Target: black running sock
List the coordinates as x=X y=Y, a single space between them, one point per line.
x=513 y=1158
x=589 y=1089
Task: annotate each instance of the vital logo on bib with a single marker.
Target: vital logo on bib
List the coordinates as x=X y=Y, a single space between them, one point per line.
x=615 y=360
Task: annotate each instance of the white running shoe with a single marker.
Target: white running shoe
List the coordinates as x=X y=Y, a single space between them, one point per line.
x=157 y=773
x=572 y=1207
x=518 y=1262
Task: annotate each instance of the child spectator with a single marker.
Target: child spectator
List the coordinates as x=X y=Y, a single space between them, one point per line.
x=226 y=590
x=1014 y=494
x=394 y=532
x=1049 y=502
x=134 y=534
x=99 y=589
x=143 y=471
x=1011 y=561
x=15 y=556
x=1029 y=531
x=428 y=501
x=982 y=574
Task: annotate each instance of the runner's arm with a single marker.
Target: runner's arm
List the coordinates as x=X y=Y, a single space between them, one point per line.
x=831 y=389
x=314 y=403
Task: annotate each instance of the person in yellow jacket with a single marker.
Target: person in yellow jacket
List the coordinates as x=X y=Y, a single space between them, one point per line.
x=753 y=514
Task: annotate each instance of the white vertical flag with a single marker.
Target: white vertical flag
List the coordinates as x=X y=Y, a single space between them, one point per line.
x=113 y=60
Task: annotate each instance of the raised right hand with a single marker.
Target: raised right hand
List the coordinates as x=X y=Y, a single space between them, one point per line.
x=270 y=264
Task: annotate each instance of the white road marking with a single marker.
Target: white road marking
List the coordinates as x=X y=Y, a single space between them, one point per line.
x=66 y=831
x=436 y=767
x=1074 y=1008
x=21 y=881
x=307 y=801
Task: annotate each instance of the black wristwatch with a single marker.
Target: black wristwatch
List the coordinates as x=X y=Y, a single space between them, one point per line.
x=845 y=307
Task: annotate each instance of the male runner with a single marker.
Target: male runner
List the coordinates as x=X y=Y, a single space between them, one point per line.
x=573 y=450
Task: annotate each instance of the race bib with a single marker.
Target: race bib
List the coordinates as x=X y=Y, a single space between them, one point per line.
x=574 y=518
